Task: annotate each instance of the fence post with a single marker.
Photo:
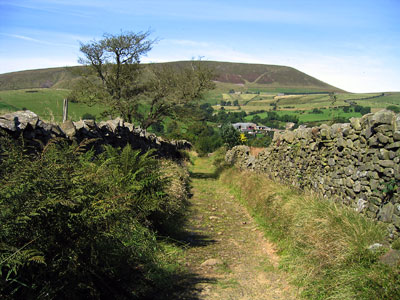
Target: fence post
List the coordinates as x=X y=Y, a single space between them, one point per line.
x=65 y=110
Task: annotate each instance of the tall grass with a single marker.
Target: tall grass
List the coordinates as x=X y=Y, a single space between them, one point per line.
x=324 y=246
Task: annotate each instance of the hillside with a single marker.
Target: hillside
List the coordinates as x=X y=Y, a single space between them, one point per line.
x=267 y=77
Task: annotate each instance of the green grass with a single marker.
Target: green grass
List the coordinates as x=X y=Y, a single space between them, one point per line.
x=308 y=116
x=323 y=245
x=47 y=103
x=302 y=105
x=285 y=89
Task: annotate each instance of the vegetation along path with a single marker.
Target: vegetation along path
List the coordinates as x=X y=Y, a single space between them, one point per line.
x=227 y=253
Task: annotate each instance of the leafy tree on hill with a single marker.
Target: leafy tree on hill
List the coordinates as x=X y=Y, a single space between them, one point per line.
x=115 y=79
x=113 y=74
x=173 y=92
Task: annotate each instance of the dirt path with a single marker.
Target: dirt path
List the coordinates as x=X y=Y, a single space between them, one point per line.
x=227 y=253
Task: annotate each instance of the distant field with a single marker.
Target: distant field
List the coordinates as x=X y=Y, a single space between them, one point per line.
x=307 y=102
x=308 y=116
x=47 y=103
x=302 y=105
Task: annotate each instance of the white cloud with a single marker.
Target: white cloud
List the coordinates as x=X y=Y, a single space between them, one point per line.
x=44 y=42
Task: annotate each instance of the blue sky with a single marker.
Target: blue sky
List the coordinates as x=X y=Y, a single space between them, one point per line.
x=352 y=44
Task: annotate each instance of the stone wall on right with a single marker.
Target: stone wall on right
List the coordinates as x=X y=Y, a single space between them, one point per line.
x=356 y=163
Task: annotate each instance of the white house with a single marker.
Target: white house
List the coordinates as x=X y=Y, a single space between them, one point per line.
x=245 y=127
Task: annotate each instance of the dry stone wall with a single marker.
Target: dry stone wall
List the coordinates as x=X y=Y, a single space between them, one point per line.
x=356 y=163
x=117 y=133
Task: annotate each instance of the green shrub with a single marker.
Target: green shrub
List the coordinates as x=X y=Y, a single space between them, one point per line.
x=230 y=136
x=393 y=108
x=77 y=226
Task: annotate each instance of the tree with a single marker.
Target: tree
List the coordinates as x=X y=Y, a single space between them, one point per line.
x=113 y=73
x=230 y=136
x=173 y=92
x=115 y=79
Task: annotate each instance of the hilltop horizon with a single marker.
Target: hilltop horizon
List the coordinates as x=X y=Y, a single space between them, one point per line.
x=238 y=75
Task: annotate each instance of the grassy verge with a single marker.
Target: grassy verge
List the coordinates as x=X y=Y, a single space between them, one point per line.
x=47 y=103
x=323 y=246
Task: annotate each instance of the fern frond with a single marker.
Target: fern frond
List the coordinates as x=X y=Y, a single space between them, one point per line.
x=82 y=145
x=38 y=259
x=51 y=143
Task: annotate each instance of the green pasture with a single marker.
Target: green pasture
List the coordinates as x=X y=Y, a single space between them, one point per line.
x=277 y=90
x=302 y=105
x=47 y=103
x=381 y=102
x=308 y=116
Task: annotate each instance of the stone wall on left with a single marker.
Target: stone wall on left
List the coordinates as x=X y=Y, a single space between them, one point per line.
x=116 y=133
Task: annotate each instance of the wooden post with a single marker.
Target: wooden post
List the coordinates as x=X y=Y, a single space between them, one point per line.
x=65 y=110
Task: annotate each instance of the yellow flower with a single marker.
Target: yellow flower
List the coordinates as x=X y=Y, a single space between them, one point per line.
x=243 y=138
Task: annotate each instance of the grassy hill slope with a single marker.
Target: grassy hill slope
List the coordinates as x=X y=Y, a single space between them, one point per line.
x=228 y=75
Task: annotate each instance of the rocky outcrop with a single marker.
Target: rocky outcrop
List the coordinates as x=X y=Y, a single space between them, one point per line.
x=355 y=163
x=112 y=132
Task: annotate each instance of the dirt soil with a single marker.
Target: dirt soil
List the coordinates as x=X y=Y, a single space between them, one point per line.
x=227 y=254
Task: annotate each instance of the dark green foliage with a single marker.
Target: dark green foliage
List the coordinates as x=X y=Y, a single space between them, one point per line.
x=230 y=136
x=76 y=226
x=157 y=128
x=393 y=108
x=340 y=120
x=207 y=111
x=316 y=111
x=274 y=120
x=205 y=138
x=88 y=116
x=231 y=117
x=362 y=109
x=346 y=109
x=259 y=141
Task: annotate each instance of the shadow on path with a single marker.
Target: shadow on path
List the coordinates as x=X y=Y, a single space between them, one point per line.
x=206 y=175
x=185 y=285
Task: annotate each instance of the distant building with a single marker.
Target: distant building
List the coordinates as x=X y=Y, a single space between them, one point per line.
x=263 y=128
x=245 y=127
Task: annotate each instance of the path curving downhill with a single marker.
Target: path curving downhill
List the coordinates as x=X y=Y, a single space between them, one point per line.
x=227 y=253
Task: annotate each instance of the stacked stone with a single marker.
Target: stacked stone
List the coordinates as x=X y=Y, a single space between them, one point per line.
x=356 y=163
x=112 y=132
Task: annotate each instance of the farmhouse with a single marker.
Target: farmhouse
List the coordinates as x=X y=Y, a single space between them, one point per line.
x=245 y=127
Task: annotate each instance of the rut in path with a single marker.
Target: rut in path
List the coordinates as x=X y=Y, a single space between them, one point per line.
x=227 y=253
